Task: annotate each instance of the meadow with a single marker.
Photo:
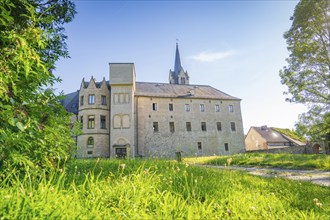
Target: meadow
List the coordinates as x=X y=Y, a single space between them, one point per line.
x=158 y=189
x=286 y=161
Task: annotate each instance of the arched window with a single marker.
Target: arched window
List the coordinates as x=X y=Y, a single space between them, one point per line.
x=90 y=142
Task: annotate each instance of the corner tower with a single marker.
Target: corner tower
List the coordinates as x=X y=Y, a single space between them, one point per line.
x=178 y=76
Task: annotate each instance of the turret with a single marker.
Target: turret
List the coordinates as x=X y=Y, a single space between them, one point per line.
x=94 y=115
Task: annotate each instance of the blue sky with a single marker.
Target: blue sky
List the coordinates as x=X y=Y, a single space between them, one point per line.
x=234 y=46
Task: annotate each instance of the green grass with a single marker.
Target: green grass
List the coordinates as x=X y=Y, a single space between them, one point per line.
x=286 y=161
x=156 y=189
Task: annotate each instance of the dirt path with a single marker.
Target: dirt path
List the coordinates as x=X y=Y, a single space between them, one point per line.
x=314 y=176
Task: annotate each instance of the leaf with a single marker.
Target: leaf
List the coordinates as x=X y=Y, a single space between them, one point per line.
x=20 y=126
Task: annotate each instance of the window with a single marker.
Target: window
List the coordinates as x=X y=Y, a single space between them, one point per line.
x=91 y=99
x=121 y=98
x=125 y=121
x=219 y=126
x=91 y=121
x=90 y=142
x=170 y=107
x=183 y=80
x=202 y=107
x=226 y=147
x=155 y=126
x=103 y=100
x=188 y=126
x=103 y=122
x=121 y=121
x=172 y=127
x=199 y=146
x=82 y=100
x=116 y=121
x=233 y=126
x=154 y=106
x=90 y=152
x=203 y=125
x=187 y=108
x=217 y=108
x=231 y=108
x=82 y=121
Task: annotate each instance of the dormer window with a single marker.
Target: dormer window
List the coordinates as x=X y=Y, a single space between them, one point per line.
x=91 y=99
x=103 y=100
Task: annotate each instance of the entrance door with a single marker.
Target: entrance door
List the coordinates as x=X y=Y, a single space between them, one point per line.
x=316 y=148
x=121 y=152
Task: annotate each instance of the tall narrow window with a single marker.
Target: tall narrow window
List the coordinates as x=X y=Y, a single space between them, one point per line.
x=199 y=146
x=233 y=126
x=172 y=129
x=125 y=121
x=219 y=126
x=217 y=108
x=226 y=147
x=170 y=107
x=103 y=100
x=154 y=106
x=203 y=125
x=90 y=142
x=155 y=126
x=188 y=126
x=103 y=122
x=91 y=99
x=231 y=108
x=202 y=107
x=82 y=121
x=82 y=100
x=187 y=107
x=91 y=121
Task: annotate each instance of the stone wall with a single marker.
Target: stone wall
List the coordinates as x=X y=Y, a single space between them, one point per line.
x=164 y=143
x=286 y=150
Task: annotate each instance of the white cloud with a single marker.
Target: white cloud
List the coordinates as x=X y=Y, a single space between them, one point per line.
x=212 y=56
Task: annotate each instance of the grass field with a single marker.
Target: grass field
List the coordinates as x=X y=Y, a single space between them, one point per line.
x=287 y=161
x=159 y=189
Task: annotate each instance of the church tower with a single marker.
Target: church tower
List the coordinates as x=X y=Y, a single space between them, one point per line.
x=178 y=76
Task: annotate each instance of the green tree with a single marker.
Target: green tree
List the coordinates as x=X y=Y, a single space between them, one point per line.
x=307 y=74
x=34 y=127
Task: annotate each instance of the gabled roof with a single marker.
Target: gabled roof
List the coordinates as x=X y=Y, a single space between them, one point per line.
x=273 y=136
x=167 y=90
x=97 y=84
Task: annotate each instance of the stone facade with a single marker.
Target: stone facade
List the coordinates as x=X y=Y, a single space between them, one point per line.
x=125 y=118
x=186 y=138
x=94 y=103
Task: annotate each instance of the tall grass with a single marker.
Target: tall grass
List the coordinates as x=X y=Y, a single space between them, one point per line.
x=153 y=189
x=287 y=161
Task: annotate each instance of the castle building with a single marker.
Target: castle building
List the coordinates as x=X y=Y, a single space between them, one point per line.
x=125 y=118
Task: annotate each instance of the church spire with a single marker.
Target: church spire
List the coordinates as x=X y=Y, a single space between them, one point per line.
x=177 y=62
x=178 y=76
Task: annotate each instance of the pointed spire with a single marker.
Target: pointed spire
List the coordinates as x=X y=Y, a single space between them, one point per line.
x=177 y=62
x=178 y=76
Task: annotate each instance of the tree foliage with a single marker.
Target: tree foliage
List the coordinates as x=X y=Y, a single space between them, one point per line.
x=307 y=74
x=34 y=127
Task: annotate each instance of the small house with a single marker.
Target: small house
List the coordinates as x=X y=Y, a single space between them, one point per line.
x=263 y=138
